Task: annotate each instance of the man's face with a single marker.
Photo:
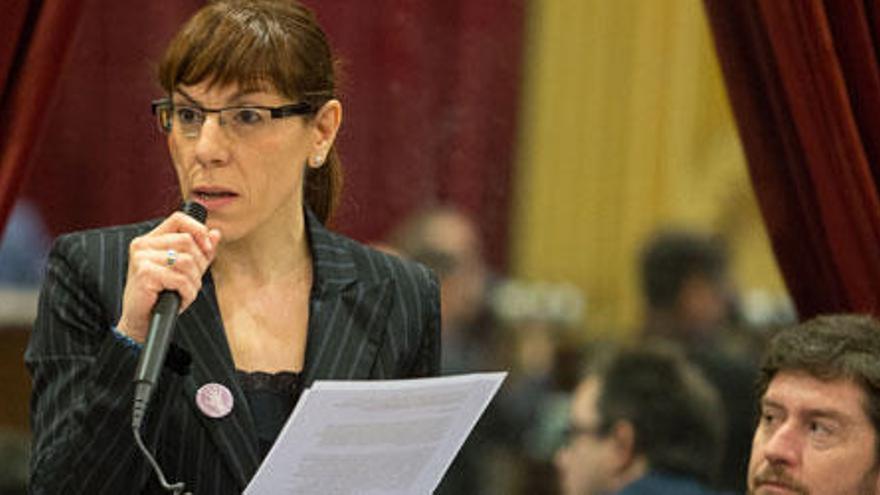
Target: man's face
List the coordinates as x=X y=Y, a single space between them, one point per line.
x=702 y=305
x=813 y=437
x=463 y=288
x=585 y=463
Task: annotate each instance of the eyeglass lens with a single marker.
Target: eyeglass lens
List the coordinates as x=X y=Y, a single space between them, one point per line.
x=241 y=121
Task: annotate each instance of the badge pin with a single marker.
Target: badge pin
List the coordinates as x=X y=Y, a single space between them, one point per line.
x=214 y=400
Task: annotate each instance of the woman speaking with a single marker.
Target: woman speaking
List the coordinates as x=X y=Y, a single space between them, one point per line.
x=270 y=300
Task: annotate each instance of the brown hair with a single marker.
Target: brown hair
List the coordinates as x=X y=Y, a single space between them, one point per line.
x=254 y=42
x=830 y=348
x=676 y=413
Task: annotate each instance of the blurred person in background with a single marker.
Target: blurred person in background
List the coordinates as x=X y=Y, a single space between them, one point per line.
x=448 y=241
x=686 y=286
x=23 y=247
x=490 y=323
x=540 y=327
x=23 y=250
x=819 y=391
x=643 y=421
x=690 y=300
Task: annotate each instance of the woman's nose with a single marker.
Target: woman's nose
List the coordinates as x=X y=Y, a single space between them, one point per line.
x=212 y=142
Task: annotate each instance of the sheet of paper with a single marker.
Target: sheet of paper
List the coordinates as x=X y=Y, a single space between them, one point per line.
x=388 y=437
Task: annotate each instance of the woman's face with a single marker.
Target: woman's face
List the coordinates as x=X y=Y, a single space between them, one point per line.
x=248 y=175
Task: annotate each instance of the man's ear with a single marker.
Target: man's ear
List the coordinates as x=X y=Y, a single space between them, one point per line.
x=623 y=438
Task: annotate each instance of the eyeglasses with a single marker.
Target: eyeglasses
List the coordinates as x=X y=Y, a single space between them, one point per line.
x=574 y=431
x=242 y=121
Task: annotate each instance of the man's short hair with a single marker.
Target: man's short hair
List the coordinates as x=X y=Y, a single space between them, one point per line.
x=832 y=347
x=671 y=257
x=675 y=412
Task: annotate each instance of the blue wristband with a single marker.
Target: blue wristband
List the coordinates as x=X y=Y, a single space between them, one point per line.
x=126 y=340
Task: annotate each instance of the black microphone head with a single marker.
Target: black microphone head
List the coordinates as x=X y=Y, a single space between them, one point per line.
x=195 y=210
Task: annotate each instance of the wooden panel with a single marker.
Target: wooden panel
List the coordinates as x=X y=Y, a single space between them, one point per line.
x=15 y=384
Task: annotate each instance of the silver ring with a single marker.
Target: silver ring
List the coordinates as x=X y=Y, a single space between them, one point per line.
x=171 y=257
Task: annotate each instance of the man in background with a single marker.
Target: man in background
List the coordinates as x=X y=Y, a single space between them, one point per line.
x=686 y=286
x=690 y=300
x=819 y=390
x=643 y=422
x=448 y=241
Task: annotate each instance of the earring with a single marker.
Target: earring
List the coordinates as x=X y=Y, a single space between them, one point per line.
x=317 y=161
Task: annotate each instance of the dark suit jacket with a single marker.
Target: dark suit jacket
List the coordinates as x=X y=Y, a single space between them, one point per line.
x=372 y=316
x=666 y=484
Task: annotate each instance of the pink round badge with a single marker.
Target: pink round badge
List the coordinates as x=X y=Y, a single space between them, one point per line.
x=214 y=400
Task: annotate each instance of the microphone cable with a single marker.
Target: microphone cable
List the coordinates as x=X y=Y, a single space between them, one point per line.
x=152 y=357
x=175 y=488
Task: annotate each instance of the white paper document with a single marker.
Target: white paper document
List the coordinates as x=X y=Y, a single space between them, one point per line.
x=388 y=437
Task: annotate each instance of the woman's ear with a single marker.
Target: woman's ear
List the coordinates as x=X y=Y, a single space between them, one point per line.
x=326 y=124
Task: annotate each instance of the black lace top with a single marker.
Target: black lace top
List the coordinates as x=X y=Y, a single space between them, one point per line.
x=271 y=397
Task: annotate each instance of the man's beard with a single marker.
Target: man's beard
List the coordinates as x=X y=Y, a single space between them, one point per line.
x=778 y=476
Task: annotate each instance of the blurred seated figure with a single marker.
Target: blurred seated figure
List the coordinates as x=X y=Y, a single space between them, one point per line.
x=537 y=322
x=689 y=300
x=23 y=247
x=643 y=421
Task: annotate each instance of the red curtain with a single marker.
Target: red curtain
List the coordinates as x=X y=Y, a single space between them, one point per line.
x=430 y=93
x=804 y=84
x=100 y=158
x=432 y=103
x=34 y=41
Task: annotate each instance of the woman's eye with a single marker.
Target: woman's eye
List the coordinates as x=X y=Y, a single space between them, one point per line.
x=248 y=116
x=187 y=115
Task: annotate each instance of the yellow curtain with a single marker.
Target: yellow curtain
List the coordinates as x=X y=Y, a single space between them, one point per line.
x=626 y=128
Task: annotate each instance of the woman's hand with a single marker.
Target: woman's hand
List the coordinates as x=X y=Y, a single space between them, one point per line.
x=173 y=256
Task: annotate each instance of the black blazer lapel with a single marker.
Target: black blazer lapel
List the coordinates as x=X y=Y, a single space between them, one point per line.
x=348 y=315
x=200 y=332
x=346 y=329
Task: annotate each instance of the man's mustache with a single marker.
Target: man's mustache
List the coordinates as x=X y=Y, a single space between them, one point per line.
x=779 y=477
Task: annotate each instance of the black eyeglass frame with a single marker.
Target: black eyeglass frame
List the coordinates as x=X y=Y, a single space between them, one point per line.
x=574 y=431
x=280 y=112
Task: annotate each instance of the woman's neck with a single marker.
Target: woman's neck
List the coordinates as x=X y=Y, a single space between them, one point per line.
x=266 y=255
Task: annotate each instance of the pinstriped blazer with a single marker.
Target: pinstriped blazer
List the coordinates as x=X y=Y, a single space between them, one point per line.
x=372 y=316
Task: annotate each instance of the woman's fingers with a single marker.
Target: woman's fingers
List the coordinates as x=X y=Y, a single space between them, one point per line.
x=173 y=256
x=187 y=265
x=180 y=222
x=177 y=249
x=155 y=275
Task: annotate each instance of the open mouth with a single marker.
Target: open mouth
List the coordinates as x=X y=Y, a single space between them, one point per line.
x=213 y=197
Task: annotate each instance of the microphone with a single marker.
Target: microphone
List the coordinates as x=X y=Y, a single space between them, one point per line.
x=162 y=320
